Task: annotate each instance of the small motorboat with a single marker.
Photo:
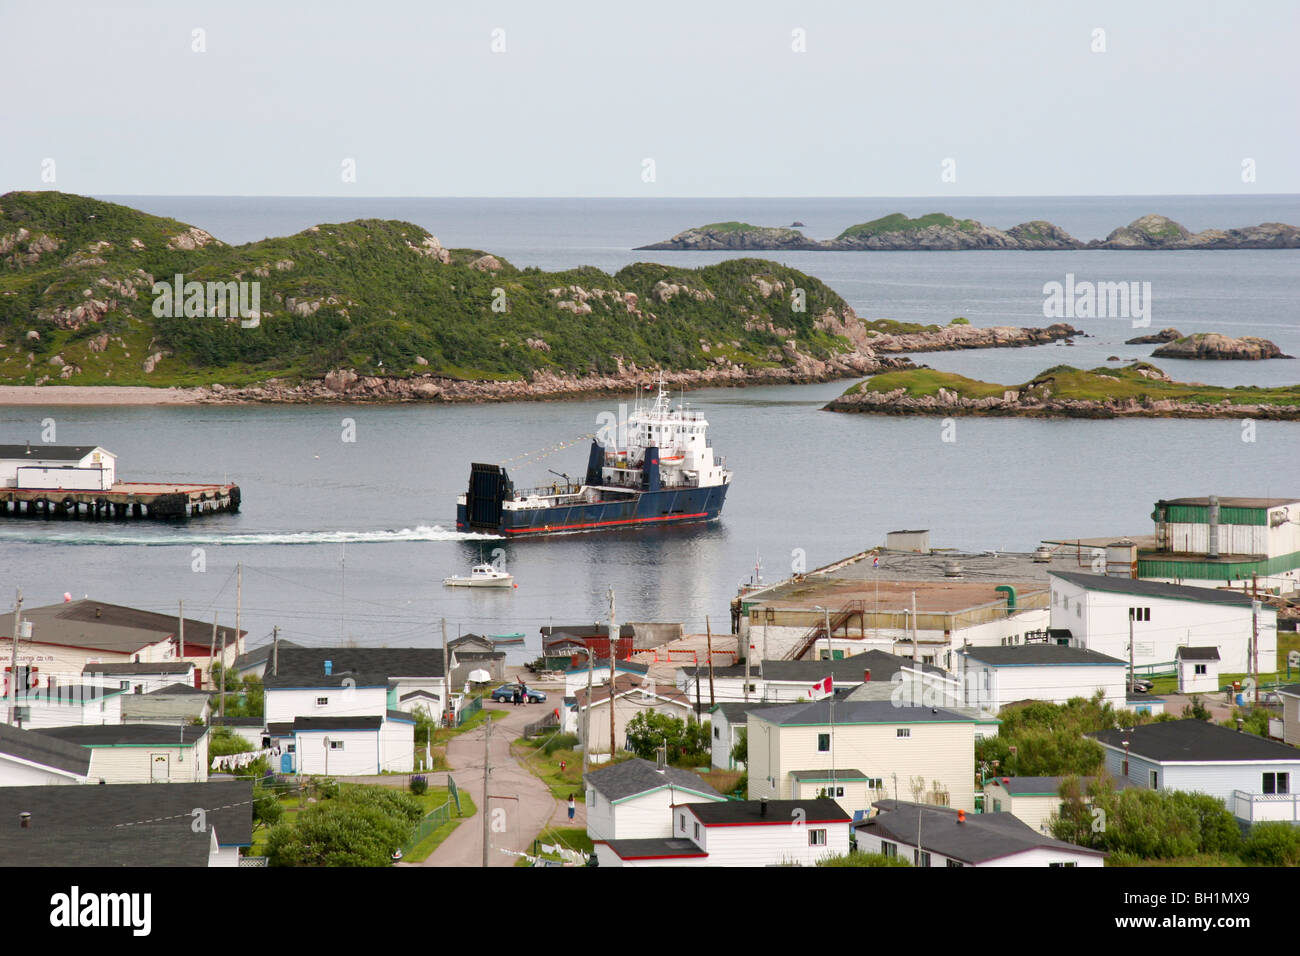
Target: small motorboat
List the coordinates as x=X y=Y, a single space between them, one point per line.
x=482 y=576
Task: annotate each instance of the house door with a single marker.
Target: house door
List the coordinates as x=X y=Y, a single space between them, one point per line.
x=286 y=763
x=160 y=768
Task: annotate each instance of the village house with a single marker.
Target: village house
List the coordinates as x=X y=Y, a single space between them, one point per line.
x=176 y=704
x=941 y=836
x=631 y=697
x=727 y=722
x=1251 y=775
x=778 y=681
x=474 y=652
x=58 y=467
x=577 y=677
x=1290 y=697
x=140 y=753
x=141 y=678
x=127 y=825
x=1100 y=612
x=30 y=759
x=1035 y=801
x=863 y=751
x=634 y=799
x=993 y=677
x=353 y=746
x=66 y=704
x=739 y=833
x=67 y=637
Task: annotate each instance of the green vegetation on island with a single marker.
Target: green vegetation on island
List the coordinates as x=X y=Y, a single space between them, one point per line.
x=78 y=306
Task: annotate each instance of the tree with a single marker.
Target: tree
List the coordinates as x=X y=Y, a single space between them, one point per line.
x=1272 y=844
x=1147 y=824
x=361 y=826
x=267 y=810
x=740 y=752
x=648 y=730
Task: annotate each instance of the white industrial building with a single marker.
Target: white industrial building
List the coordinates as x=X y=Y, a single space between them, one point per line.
x=1216 y=541
x=993 y=677
x=64 y=467
x=1098 y=610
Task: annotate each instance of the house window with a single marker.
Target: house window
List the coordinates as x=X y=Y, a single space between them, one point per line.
x=1064 y=863
x=904 y=732
x=1200 y=669
x=681 y=822
x=875 y=783
x=888 y=849
x=292 y=748
x=997 y=805
x=823 y=743
x=717 y=732
x=336 y=745
x=322 y=701
x=1154 y=778
x=839 y=791
x=817 y=837
x=1277 y=783
x=920 y=858
x=697 y=832
x=1139 y=613
x=955 y=863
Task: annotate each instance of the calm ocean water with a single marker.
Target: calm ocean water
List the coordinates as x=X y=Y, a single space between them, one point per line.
x=348 y=540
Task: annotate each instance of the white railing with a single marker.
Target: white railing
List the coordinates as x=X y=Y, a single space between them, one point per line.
x=1263 y=807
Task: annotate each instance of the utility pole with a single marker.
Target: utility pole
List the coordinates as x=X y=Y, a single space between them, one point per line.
x=13 y=666
x=697 y=688
x=239 y=604
x=223 y=666
x=613 y=638
x=586 y=716
x=275 y=651
x=709 y=636
x=1132 y=612
x=748 y=647
x=212 y=651
x=446 y=684
x=487 y=751
x=916 y=656
x=1254 y=631
x=180 y=632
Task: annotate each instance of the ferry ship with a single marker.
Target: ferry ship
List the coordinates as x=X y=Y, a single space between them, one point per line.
x=667 y=473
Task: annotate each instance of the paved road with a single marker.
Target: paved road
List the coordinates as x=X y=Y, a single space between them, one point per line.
x=521 y=804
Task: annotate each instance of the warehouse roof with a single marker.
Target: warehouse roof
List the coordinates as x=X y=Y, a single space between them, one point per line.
x=1230 y=502
x=1036 y=655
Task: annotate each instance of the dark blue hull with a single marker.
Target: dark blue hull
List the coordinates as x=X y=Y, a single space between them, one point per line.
x=628 y=510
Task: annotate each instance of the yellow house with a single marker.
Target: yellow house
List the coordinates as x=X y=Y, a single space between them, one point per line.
x=863 y=751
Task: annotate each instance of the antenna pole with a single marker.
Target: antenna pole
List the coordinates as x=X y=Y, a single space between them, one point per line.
x=613 y=647
x=13 y=655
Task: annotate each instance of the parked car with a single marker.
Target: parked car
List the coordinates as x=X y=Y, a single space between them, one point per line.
x=1142 y=685
x=506 y=693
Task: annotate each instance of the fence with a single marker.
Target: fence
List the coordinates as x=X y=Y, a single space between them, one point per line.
x=434 y=819
x=469 y=710
x=551 y=720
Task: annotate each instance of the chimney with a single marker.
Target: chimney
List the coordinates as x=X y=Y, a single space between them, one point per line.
x=1212 y=551
x=961 y=816
x=1238 y=725
x=866 y=675
x=25 y=820
x=762 y=807
x=329 y=668
x=99 y=612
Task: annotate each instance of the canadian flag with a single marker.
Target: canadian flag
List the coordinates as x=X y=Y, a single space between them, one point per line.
x=823 y=687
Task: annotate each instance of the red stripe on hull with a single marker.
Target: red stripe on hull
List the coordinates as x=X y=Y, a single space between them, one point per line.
x=603 y=524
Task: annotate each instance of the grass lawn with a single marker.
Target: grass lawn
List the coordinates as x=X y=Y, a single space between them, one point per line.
x=575 y=838
x=547 y=767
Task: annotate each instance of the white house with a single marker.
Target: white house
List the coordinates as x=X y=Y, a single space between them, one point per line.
x=66 y=704
x=633 y=799
x=1290 y=713
x=1253 y=776
x=29 y=759
x=68 y=637
x=69 y=467
x=993 y=677
x=727 y=722
x=869 y=749
x=789 y=681
x=140 y=753
x=575 y=679
x=1097 y=611
x=631 y=697
x=350 y=681
x=176 y=704
x=739 y=833
x=141 y=678
x=354 y=746
x=1198 y=669
x=940 y=836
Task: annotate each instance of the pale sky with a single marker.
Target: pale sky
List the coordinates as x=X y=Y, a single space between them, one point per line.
x=715 y=94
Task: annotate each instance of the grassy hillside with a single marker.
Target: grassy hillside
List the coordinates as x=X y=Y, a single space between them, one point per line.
x=1068 y=383
x=373 y=295
x=897 y=222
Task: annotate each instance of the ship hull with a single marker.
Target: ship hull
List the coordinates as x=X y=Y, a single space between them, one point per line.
x=639 y=510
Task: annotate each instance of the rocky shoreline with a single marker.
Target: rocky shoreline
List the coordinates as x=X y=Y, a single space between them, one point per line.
x=938 y=232
x=948 y=403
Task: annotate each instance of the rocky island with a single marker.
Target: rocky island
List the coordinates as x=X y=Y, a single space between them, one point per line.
x=941 y=232
x=1212 y=345
x=1139 y=390
x=94 y=294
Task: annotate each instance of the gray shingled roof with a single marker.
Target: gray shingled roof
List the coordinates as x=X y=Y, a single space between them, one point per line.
x=41 y=451
x=981 y=837
x=1197 y=653
x=631 y=777
x=368 y=666
x=128 y=667
x=259 y=654
x=123 y=824
x=817 y=713
x=736 y=713
x=1193 y=741
x=98 y=625
x=44 y=749
x=180 y=690
x=1035 y=655
x=820 y=810
x=649 y=849
x=1155 y=589
x=128 y=735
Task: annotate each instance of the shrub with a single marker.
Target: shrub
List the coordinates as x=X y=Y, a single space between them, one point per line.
x=266 y=807
x=1272 y=844
x=560 y=742
x=863 y=859
x=419 y=784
